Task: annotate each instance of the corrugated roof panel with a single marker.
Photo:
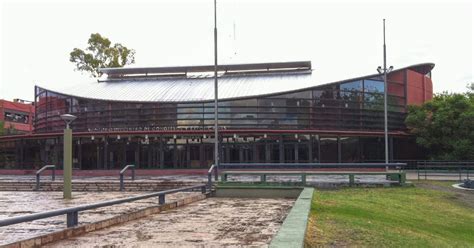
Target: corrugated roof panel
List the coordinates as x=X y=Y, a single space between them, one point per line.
x=191 y=89
x=181 y=89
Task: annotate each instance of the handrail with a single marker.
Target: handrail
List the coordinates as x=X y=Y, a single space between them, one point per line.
x=449 y=168
x=38 y=173
x=209 y=176
x=122 y=187
x=73 y=212
x=312 y=165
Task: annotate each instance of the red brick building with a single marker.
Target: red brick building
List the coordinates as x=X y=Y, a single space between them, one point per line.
x=17 y=116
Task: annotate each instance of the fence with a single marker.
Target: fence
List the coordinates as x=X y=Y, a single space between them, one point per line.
x=72 y=214
x=459 y=169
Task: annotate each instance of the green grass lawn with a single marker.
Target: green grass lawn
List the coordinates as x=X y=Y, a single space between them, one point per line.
x=420 y=216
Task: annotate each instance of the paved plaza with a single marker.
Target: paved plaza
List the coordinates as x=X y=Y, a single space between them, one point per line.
x=23 y=203
x=214 y=222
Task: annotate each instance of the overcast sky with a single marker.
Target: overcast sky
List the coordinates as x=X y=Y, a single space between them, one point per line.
x=343 y=39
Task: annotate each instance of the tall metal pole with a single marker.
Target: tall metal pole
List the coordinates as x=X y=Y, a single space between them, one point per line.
x=385 y=94
x=216 y=107
x=67 y=163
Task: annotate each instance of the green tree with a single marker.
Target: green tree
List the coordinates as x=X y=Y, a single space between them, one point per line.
x=101 y=54
x=445 y=126
x=2 y=129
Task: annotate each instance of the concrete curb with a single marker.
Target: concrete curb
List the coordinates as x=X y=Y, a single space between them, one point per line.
x=458 y=186
x=90 y=227
x=292 y=232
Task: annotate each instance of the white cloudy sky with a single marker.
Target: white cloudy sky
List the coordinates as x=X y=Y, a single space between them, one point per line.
x=343 y=39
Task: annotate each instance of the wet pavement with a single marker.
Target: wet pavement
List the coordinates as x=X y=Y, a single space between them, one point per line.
x=23 y=203
x=214 y=222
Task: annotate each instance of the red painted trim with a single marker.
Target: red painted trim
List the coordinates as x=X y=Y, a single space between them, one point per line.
x=194 y=132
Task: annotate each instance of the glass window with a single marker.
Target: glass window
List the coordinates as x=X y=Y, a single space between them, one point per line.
x=303 y=153
x=16 y=117
x=373 y=86
x=372 y=149
x=315 y=141
x=275 y=153
x=297 y=95
x=373 y=101
x=328 y=150
x=352 y=86
x=351 y=99
x=350 y=149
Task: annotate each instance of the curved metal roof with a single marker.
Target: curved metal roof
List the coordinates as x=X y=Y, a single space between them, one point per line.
x=201 y=88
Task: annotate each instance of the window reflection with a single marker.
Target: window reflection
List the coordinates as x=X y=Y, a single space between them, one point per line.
x=373 y=86
x=352 y=86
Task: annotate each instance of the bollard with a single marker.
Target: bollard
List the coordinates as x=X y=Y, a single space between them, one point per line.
x=121 y=182
x=351 y=179
x=72 y=219
x=224 y=178
x=303 y=179
x=37 y=181
x=209 y=181
x=161 y=199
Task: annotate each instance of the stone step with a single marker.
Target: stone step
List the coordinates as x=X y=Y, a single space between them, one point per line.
x=93 y=186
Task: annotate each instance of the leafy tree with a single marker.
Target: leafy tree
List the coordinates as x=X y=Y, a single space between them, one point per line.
x=2 y=128
x=101 y=54
x=445 y=126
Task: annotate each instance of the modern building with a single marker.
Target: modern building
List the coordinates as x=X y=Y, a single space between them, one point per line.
x=17 y=116
x=270 y=112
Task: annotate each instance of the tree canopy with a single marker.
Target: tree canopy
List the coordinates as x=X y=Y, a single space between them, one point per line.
x=445 y=126
x=101 y=54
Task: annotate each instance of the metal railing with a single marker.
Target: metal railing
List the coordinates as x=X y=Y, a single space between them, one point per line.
x=122 y=187
x=351 y=166
x=426 y=169
x=72 y=213
x=38 y=174
x=209 y=176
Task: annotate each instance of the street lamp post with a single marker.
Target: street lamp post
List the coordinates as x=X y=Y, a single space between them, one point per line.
x=67 y=159
x=216 y=106
x=384 y=72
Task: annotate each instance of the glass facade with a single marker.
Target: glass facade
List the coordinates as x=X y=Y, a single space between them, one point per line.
x=319 y=124
x=353 y=105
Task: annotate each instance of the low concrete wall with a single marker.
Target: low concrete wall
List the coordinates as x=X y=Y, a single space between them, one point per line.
x=293 y=230
x=258 y=192
x=80 y=230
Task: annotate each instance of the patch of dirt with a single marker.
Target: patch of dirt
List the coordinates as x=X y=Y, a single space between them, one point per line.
x=464 y=197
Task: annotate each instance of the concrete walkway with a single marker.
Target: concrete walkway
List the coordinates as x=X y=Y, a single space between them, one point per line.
x=214 y=222
x=23 y=203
